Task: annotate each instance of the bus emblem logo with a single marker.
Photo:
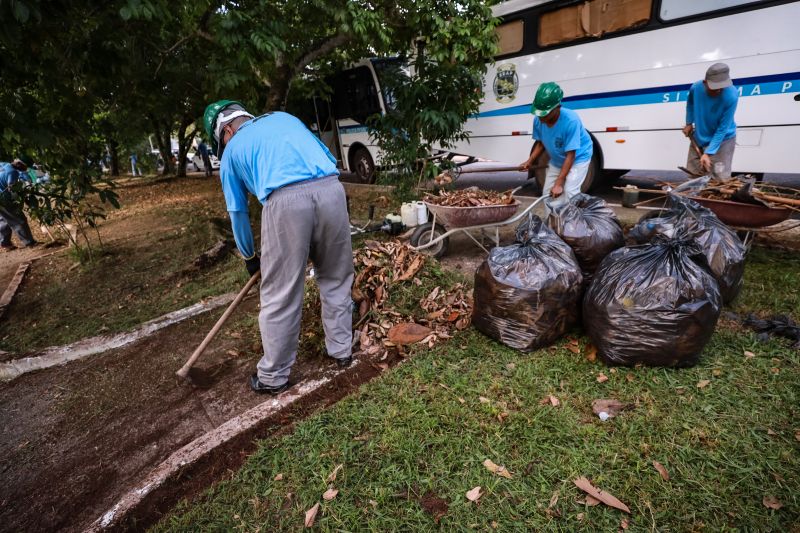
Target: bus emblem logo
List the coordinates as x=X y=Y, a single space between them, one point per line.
x=506 y=83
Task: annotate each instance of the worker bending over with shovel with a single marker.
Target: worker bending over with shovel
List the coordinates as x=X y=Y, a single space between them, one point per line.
x=304 y=216
x=710 y=107
x=560 y=132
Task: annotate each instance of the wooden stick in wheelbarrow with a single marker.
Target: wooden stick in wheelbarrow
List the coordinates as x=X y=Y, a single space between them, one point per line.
x=184 y=371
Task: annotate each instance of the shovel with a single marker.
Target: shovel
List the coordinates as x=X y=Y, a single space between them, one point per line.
x=190 y=374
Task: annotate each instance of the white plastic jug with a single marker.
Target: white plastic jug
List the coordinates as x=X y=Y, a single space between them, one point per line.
x=422 y=212
x=408 y=214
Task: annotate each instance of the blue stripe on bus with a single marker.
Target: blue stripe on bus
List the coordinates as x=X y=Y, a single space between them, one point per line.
x=353 y=129
x=754 y=86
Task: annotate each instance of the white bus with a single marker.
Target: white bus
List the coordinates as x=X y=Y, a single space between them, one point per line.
x=625 y=67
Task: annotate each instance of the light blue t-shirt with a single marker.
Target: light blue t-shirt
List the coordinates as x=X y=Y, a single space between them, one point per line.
x=712 y=116
x=565 y=135
x=265 y=154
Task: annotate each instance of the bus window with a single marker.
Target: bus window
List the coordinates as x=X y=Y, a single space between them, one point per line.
x=355 y=95
x=509 y=37
x=593 y=18
x=676 y=9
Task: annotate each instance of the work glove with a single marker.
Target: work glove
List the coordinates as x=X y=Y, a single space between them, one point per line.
x=253 y=265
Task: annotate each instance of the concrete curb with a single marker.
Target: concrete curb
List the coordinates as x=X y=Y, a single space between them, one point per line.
x=59 y=355
x=13 y=286
x=202 y=446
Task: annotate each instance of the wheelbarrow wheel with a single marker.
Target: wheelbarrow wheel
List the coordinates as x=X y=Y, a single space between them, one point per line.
x=422 y=235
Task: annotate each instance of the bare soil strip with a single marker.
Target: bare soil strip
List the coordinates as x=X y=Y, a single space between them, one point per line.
x=59 y=355
x=203 y=446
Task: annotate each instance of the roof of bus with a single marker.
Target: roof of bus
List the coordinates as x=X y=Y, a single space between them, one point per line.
x=513 y=6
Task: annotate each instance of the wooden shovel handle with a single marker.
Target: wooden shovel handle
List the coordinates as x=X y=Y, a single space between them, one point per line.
x=184 y=371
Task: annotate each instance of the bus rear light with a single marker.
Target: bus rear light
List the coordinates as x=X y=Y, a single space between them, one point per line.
x=519 y=133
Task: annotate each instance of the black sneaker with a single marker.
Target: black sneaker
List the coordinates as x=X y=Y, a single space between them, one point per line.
x=260 y=388
x=344 y=362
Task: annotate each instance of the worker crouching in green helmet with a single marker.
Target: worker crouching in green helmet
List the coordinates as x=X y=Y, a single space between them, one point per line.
x=560 y=132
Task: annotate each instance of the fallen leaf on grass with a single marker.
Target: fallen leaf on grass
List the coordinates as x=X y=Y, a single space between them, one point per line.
x=609 y=406
x=602 y=378
x=332 y=476
x=311 y=515
x=474 y=494
x=608 y=499
x=771 y=432
x=553 y=500
x=624 y=524
x=661 y=470
x=496 y=469
x=573 y=346
x=278 y=477
x=552 y=400
x=590 y=501
x=748 y=354
x=591 y=353
x=797 y=435
x=330 y=494
x=408 y=333
x=484 y=399
x=703 y=383
x=771 y=502
x=580 y=517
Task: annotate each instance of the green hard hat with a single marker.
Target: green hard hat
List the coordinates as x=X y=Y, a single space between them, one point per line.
x=548 y=97
x=210 y=120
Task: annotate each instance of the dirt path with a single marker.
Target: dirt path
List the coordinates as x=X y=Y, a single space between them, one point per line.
x=76 y=437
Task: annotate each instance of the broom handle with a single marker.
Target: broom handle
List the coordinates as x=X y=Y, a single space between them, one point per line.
x=184 y=371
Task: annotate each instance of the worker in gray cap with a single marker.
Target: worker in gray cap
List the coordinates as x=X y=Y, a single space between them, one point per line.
x=710 y=107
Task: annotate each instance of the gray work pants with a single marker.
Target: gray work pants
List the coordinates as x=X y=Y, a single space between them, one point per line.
x=724 y=155
x=302 y=221
x=12 y=217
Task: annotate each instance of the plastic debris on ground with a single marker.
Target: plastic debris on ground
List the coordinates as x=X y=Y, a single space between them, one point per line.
x=589 y=227
x=655 y=304
x=724 y=251
x=780 y=326
x=528 y=294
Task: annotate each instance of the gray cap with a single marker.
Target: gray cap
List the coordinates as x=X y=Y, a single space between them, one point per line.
x=718 y=76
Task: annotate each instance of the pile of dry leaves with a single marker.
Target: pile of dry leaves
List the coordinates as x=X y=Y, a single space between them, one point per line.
x=470 y=198
x=382 y=267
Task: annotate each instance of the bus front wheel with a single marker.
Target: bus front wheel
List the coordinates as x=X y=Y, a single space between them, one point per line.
x=363 y=166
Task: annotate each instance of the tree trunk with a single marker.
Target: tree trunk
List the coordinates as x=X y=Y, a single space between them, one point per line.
x=279 y=90
x=162 y=134
x=113 y=151
x=184 y=142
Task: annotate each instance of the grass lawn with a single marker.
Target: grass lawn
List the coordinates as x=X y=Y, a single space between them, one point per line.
x=413 y=442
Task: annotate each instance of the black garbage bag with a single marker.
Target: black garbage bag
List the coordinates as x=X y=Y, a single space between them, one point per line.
x=590 y=228
x=778 y=325
x=528 y=294
x=655 y=304
x=724 y=251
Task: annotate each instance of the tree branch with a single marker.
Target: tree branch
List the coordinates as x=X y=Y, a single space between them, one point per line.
x=324 y=48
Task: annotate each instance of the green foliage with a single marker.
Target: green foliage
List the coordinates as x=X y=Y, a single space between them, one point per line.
x=432 y=101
